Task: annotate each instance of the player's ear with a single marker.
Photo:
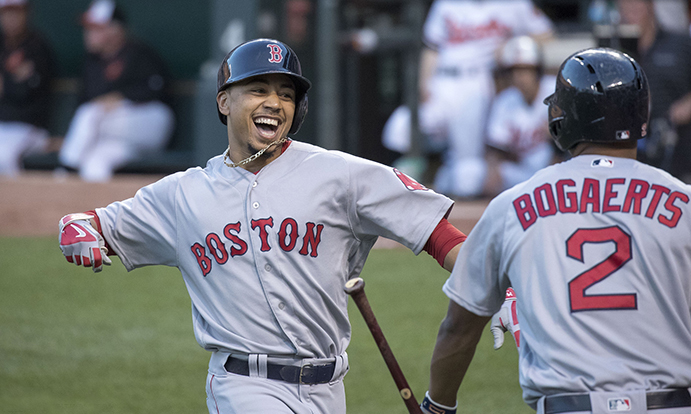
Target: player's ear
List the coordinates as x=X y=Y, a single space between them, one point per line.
x=222 y=102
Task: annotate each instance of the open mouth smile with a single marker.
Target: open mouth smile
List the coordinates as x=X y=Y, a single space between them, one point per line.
x=267 y=126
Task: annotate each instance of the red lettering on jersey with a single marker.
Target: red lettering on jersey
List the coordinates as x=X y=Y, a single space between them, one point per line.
x=676 y=211
x=525 y=211
x=216 y=246
x=543 y=204
x=635 y=194
x=459 y=33
x=287 y=240
x=610 y=194
x=562 y=195
x=276 y=53
x=590 y=195
x=203 y=261
x=551 y=209
x=261 y=224
x=311 y=239
x=409 y=183
x=657 y=194
x=242 y=245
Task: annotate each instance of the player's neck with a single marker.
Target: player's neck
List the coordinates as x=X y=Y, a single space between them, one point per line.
x=585 y=148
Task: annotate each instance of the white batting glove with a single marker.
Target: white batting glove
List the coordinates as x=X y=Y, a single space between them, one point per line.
x=506 y=320
x=429 y=406
x=81 y=244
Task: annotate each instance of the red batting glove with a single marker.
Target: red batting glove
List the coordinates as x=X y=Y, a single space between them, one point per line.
x=81 y=244
x=506 y=320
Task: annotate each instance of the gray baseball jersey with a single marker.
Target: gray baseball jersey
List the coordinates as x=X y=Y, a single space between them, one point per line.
x=265 y=256
x=598 y=251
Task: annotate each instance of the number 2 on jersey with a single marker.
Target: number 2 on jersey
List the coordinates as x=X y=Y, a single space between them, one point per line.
x=580 y=301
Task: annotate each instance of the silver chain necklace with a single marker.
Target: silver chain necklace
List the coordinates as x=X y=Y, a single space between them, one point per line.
x=251 y=157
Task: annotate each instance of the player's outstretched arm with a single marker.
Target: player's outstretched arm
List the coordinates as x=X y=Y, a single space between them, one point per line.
x=81 y=243
x=506 y=320
x=458 y=336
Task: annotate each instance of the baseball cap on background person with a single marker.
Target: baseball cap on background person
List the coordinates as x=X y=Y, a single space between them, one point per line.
x=101 y=13
x=13 y=3
x=520 y=51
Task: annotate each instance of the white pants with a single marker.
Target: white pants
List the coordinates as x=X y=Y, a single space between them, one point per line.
x=16 y=140
x=99 y=141
x=458 y=109
x=229 y=393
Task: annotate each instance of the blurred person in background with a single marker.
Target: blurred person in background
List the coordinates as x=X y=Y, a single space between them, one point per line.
x=27 y=69
x=123 y=113
x=456 y=80
x=518 y=140
x=666 y=58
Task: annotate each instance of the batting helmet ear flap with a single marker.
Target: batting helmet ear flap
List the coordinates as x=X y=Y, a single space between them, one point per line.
x=299 y=117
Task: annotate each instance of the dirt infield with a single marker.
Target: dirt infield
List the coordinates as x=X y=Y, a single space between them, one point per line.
x=32 y=204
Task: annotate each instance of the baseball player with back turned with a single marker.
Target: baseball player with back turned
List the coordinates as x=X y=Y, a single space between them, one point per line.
x=598 y=252
x=265 y=238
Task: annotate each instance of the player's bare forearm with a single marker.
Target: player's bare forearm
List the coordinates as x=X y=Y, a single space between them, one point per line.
x=458 y=336
x=450 y=259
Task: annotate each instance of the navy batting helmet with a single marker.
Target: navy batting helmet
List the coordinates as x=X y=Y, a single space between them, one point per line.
x=260 y=57
x=601 y=96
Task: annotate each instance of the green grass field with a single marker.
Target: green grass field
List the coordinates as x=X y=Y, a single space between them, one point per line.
x=72 y=341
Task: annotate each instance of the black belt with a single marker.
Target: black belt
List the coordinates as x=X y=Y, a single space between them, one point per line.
x=306 y=374
x=677 y=397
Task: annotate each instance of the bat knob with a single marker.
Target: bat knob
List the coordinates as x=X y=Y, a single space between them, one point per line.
x=354 y=285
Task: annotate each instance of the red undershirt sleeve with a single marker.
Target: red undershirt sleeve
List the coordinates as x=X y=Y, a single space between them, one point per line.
x=444 y=238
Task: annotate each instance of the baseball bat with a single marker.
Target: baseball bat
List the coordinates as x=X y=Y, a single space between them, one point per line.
x=356 y=289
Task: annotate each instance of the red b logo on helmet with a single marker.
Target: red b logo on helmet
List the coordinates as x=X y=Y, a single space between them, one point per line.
x=276 y=53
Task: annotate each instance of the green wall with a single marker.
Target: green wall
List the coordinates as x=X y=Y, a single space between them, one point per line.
x=178 y=29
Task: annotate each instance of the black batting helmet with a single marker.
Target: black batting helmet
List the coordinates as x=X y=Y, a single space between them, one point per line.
x=260 y=57
x=601 y=96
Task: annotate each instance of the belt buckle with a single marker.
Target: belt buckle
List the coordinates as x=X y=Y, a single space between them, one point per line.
x=308 y=373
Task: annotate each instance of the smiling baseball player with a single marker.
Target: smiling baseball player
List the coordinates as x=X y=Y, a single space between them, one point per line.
x=265 y=238
x=598 y=252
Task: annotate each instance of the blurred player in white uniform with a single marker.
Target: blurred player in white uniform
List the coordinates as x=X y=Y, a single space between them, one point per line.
x=517 y=136
x=598 y=252
x=456 y=79
x=265 y=238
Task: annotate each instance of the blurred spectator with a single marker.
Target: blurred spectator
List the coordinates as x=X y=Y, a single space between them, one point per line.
x=123 y=114
x=518 y=140
x=456 y=80
x=26 y=71
x=666 y=58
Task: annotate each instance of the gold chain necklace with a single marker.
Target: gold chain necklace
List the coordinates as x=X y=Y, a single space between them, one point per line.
x=251 y=157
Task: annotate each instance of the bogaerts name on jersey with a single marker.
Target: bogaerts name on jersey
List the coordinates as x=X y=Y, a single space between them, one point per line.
x=621 y=195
